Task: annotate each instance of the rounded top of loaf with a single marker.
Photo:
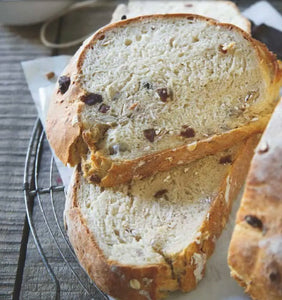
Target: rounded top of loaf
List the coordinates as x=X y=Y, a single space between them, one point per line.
x=70 y=119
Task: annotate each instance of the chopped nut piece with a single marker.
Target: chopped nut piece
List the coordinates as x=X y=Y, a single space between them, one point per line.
x=50 y=75
x=225 y=48
x=92 y=99
x=150 y=134
x=133 y=106
x=64 y=83
x=253 y=221
x=135 y=284
x=192 y=146
x=263 y=148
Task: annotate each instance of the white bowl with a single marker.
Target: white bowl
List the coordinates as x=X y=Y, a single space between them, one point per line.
x=27 y=12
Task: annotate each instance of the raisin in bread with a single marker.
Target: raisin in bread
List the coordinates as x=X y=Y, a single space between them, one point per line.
x=255 y=253
x=144 y=239
x=223 y=11
x=145 y=94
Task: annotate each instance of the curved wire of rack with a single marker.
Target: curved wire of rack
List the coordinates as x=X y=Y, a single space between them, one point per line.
x=32 y=190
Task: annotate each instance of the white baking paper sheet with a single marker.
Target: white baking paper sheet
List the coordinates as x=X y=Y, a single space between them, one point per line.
x=217 y=283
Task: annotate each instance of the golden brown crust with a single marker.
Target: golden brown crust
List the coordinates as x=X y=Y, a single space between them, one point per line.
x=255 y=253
x=69 y=142
x=114 y=278
x=147 y=165
x=63 y=129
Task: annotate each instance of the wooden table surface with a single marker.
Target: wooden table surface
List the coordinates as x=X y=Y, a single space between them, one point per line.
x=22 y=273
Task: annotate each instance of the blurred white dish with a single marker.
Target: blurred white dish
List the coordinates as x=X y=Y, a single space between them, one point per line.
x=27 y=12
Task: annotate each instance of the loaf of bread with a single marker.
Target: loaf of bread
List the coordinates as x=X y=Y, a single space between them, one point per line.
x=146 y=94
x=144 y=239
x=223 y=11
x=255 y=253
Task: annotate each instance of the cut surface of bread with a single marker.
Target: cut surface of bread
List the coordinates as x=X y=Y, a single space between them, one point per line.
x=140 y=91
x=223 y=11
x=144 y=239
x=255 y=253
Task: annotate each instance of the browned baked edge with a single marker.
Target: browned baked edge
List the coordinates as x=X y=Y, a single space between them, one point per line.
x=259 y=220
x=114 y=278
x=156 y=162
x=70 y=140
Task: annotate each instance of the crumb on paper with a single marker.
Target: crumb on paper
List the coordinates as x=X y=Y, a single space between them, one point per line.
x=50 y=75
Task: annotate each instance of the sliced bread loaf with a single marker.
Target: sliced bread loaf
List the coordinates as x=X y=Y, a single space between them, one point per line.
x=145 y=239
x=145 y=94
x=255 y=253
x=223 y=11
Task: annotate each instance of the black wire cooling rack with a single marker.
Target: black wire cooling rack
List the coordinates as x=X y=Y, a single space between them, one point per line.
x=34 y=190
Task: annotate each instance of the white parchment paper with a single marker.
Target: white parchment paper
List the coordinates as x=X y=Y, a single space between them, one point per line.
x=217 y=283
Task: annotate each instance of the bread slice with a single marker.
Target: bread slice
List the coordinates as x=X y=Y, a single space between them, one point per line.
x=255 y=253
x=223 y=11
x=145 y=239
x=146 y=94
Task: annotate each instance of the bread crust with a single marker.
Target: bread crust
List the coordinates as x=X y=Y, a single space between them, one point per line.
x=254 y=255
x=150 y=164
x=178 y=272
x=70 y=141
x=246 y=21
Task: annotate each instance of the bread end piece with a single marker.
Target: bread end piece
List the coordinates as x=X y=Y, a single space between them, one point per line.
x=254 y=256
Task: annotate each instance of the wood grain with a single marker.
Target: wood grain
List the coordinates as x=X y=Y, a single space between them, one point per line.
x=17 y=115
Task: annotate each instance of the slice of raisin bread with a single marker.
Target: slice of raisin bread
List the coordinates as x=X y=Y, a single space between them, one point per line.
x=145 y=239
x=145 y=94
x=223 y=11
x=255 y=253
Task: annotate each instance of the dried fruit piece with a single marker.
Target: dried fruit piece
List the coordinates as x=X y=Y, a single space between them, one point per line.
x=187 y=131
x=275 y=276
x=225 y=160
x=64 y=83
x=92 y=98
x=104 y=108
x=123 y=17
x=150 y=134
x=253 y=221
x=95 y=178
x=160 y=193
x=163 y=94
